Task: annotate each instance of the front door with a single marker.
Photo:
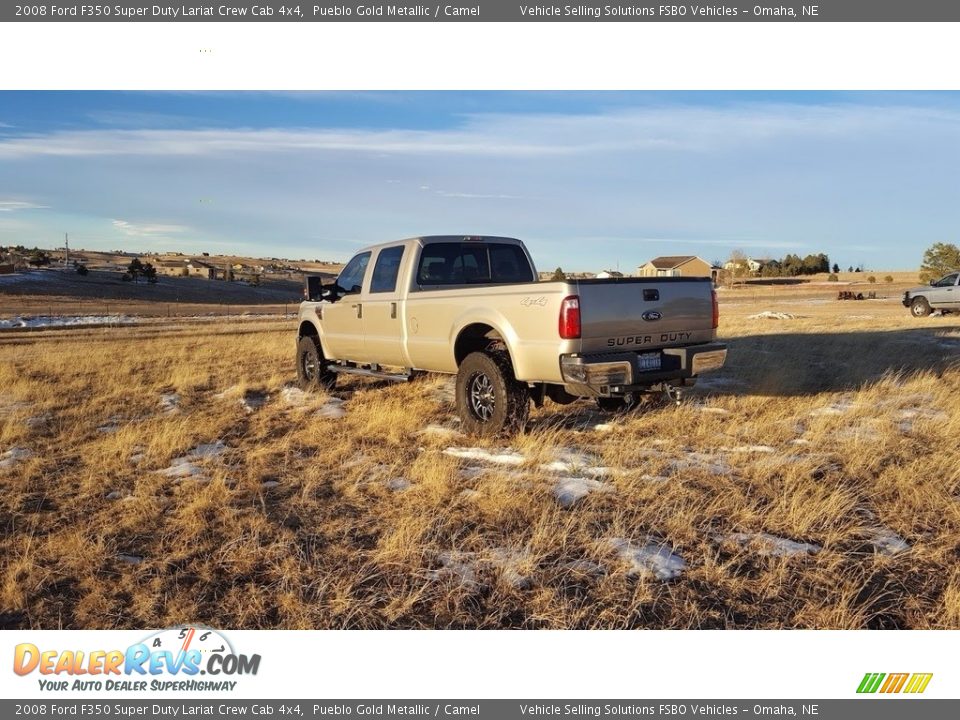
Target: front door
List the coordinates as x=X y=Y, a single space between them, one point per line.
x=383 y=311
x=342 y=321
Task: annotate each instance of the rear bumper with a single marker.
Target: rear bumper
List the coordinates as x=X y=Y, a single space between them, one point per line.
x=619 y=373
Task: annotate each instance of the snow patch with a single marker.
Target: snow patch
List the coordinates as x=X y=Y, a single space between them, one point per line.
x=50 y=321
x=170 y=403
x=331 y=410
x=753 y=449
x=456 y=566
x=767 y=544
x=10 y=458
x=838 y=408
x=569 y=491
x=441 y=431
x=886 y=541
x=771 y=315
x=650 y=558
x=496 y=457
x=511 y=565
x=398 y=484
x=295 y=397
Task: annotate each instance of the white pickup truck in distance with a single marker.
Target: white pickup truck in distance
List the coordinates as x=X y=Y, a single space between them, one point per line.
x=472 y=306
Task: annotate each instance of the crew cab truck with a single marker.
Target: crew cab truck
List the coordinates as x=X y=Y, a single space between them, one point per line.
x=472 y=306
x=942 y=295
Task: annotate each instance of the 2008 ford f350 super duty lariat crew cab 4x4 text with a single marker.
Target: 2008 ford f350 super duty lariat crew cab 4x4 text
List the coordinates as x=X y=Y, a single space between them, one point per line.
x=472 y=306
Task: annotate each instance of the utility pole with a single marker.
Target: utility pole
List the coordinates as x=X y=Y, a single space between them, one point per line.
x=66 y=248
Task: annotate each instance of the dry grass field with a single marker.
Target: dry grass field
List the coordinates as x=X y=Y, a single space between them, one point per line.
x=175 y=476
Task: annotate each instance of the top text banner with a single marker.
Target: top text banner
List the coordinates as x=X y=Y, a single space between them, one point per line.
x=485 y=11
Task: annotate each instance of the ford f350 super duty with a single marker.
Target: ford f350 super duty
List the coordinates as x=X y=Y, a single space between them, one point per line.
x=472 y=306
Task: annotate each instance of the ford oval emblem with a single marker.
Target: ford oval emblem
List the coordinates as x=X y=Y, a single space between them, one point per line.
x=651 y=315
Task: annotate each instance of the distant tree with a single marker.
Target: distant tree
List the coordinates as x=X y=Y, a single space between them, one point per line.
x=82 y=270
x=850 y=269
x=38 y=257
x=938 y=260
x=737 y=266
x=832 y=277
x=149 y=273
x=558 y=275
x=135 y=269
x=888 y=279
x=871 y=279
x=859 y=268
x=836 y=268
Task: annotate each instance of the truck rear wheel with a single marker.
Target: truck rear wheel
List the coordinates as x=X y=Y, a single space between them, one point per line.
x=312 y=372
x=490 y=400
x=919 y=307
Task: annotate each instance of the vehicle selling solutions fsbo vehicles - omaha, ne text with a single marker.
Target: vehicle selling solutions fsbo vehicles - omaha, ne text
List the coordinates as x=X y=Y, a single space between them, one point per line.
x=472 y=306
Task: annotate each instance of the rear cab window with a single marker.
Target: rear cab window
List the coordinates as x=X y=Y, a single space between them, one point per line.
x=457 y=263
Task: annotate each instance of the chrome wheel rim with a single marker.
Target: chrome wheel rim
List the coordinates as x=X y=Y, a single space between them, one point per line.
x=309 y=364
x=482 y=400
x=918 y=309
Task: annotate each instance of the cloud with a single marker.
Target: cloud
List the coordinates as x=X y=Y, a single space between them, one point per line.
x=685 y=128
x=479 y=196
x=147 y=230
x=15 y=205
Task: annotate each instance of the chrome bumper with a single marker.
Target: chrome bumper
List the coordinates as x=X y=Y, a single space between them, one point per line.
x=621 y=372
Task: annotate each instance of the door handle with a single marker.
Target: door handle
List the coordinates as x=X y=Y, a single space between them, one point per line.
x=393 y=311
x=359 y=307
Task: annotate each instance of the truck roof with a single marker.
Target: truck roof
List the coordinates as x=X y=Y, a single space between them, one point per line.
x=430 y=239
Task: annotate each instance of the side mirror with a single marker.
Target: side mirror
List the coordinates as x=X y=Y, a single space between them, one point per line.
x=932 y=283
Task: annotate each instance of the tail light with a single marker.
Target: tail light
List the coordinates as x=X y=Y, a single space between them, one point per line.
x=716 y=310
x=570 y=318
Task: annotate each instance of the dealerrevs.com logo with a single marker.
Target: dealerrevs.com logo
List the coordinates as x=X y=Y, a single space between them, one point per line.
x=171 y=659
x=889 y=683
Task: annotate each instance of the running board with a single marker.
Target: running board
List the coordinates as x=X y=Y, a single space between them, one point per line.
x=363 y=372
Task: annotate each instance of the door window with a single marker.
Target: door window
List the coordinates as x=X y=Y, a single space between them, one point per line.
x=351 y=277
x=386 y=270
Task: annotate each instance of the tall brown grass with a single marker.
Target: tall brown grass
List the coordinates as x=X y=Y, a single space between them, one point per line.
x=825 y=430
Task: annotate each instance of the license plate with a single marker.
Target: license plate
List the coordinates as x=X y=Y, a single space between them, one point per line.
x=648 y=361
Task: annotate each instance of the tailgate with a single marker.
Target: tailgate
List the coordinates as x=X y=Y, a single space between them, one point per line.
x=645 y=313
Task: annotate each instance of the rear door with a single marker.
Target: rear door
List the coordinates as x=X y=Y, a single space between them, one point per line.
x=382 y=311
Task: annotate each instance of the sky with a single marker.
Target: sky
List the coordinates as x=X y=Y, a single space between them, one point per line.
x=590 y=180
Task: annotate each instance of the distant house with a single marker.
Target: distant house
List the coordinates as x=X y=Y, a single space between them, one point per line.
x=678 y=266
x=753 y=266
x=603 y=274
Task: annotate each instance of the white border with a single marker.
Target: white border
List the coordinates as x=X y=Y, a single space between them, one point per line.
x=541 y=56
x=661 y=664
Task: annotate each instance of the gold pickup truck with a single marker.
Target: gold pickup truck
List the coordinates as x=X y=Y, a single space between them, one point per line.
x=472 y=306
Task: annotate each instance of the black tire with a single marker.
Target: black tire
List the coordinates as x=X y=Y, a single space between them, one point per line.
x=490 y=400
x=312 y=372
x=920 y=307
x=617 y=404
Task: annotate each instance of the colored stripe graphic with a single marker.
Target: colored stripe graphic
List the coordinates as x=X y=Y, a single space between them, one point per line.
x=918 y=682
x=870 y=682
x=894 y=683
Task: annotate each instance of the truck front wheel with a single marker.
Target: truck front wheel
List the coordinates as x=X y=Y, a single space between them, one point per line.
x=920 y=307
x=312 y=372
x=490 y=400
